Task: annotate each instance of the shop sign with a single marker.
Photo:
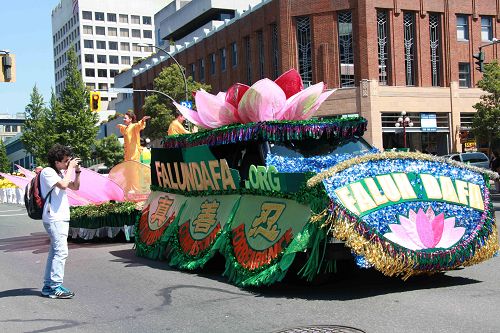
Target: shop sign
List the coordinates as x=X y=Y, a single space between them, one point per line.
x=428 y=122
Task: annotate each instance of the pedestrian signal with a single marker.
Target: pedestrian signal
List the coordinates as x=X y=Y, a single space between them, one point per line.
x=95 y=101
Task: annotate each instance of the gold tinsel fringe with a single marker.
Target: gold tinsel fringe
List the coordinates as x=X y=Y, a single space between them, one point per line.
x=319 y=217
x=487 y=251
x=373 y=252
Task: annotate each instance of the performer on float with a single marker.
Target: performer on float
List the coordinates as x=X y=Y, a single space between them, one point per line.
x=177 y=127
x=131 y=131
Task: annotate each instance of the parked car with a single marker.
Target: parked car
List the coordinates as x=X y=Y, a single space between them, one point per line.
x=476 y=159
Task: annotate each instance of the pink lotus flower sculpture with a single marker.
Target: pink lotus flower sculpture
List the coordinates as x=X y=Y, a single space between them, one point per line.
x=282 y=99
x=425 y=231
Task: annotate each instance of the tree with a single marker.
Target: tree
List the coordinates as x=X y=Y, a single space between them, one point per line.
x=159 y=107
x=38 y=133
x=109 y=150
x=4 y=160
x=486 y=121
x=74 y=123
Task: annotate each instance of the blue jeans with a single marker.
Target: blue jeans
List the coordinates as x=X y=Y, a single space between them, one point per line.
x=58 y=252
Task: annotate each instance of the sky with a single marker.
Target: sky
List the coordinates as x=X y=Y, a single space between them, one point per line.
x=26 y=30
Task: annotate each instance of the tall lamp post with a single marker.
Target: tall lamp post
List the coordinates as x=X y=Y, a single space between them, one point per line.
x=176 y=62
x=404 y=121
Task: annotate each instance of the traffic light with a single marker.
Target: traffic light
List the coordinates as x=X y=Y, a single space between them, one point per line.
x=95 y=101
x=7 y=68
x=480 y=60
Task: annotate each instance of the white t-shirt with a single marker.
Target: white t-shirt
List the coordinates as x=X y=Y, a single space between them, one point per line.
x=57 y=205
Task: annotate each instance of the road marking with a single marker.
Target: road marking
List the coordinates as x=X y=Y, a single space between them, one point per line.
x=11 y=210
x=24 y=214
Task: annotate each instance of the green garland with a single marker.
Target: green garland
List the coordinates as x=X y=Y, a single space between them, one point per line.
x=117 y=214
x=281 y=131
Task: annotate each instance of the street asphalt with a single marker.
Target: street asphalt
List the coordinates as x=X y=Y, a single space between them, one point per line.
x=119 y=292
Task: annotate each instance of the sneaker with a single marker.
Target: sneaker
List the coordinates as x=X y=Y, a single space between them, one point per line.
x=61 y=292
x=46 y=290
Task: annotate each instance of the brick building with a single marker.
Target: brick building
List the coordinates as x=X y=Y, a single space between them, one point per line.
x=384 y=56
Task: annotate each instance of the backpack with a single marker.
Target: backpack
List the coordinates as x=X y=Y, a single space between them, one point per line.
x=33 y=200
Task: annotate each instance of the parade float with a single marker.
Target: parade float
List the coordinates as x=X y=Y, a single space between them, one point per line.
x=264 y=182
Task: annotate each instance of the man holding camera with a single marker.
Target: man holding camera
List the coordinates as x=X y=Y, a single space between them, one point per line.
x=63 y=172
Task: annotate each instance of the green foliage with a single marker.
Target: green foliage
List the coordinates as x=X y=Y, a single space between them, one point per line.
x=74 y=123
x=109 y=150
x=4 y=161
x=159 y=107
x=38 y=134
x=486 y=121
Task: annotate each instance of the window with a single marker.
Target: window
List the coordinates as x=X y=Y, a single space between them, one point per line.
x=88 y=44
x=124 y=32
x=275 y=50
x=102 y=73
x=212 y=63
x=125 y=60
x=201 y=69
x=99 y=16
x=113 y=59
x=234 y=54
x=123 y=18
x=345 y=49
x=89 y=58
x=111 y=17
x=146 y=20
x=192 y=70
x=101 y=45
x=112 y=32
x=409 y=45
x=260 y=48
x=463 y=74
x=304 y=48
x=90 y=72
x=124 y=46
x=103 y=86
x=136 y=33
x=113 y=72
x=86 y=15
x=100 y=31
x=113 y=45
x=462 y=27
x=248 y=59
x=101 y=59
x=134 y=19
x=147 y=34
x=222 y=53
x=435 y=44
x=383 y=47
x=87 y=29
x=486 y=28
x=135 y=47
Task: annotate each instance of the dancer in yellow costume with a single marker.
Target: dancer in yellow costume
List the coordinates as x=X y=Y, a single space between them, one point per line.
x=176 y=126
x=131 y=131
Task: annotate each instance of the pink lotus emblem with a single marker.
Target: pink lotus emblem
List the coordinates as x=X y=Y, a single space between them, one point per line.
x=425 y=231
x=282 y=99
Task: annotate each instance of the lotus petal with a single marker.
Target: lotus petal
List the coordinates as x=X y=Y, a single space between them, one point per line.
x=261 y=102
x=191 y=115
x=451 y=235
x=424 y=229
x=214 y=111
x=411 y=229
x=98 y=188
x=290 y=82
x=401 y=237
x=221 y=95
x=27 y=173
x=235 y=93
x=316 y=105
x=437 y=228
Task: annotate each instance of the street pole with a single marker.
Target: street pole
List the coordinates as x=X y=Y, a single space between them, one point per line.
x=176 y=62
